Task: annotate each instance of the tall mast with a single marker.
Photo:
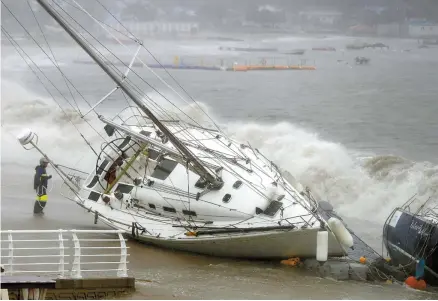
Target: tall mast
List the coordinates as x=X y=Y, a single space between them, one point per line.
x=216 y=182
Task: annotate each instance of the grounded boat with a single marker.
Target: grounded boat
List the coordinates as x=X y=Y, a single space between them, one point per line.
x=181 y=185
x=411 y=236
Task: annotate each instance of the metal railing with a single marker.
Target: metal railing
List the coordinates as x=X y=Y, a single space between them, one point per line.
x=69 y=191
x=90 y=248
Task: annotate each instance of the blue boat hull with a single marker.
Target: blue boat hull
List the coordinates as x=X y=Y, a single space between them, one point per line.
x=409 y=238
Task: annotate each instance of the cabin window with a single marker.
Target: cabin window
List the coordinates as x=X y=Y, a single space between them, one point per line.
x=163 y=169
x=102 y=167
x=237 y=184
x=169 y=209
x=226 y=198
x=94 y=196
x=273 y=208
x=153 y=154
x=201 y=183
x=109 y=130
x=93 y=182
x=145 y=133
x=125 y=142
x=152 y=206
x=124 y=188
x=188 y=212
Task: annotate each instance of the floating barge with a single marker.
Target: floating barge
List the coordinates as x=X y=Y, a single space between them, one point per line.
x=263 y=64
x=272 y=67
x=235 y=67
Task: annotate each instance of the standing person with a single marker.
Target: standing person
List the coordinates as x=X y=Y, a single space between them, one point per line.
x=40 y=182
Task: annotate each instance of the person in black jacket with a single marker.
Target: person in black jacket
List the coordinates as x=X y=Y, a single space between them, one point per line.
x=40 y=182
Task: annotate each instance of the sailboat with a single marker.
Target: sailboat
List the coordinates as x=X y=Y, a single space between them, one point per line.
x=410 y=235
x=180 y=185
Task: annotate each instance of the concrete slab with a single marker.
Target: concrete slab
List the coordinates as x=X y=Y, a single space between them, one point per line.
x=128 y=282
x=338 y=269
x=311 y=264
x=358 y=271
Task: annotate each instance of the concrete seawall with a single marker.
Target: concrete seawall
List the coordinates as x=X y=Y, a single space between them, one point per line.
x=72 y=289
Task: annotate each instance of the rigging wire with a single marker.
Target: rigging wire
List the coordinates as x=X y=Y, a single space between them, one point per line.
x=42 y=49
x=138 y=58
x=110 y=51
x=112 y=54
x=227 y=166
x=11 y=40
x=113 y=66
x=136 y=39
x=28 y=33
x=54 y=58
x=107 y=49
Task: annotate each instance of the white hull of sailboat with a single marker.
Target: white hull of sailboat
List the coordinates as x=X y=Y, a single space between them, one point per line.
x=268 y=245
x=273 y=244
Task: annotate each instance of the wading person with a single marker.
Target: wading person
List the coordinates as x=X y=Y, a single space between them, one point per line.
x=40 y=185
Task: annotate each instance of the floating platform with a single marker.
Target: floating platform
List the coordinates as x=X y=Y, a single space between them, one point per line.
x=178 y=64
x=339 y=269
x=275 y=67
x=234 y=68
x=186 y=67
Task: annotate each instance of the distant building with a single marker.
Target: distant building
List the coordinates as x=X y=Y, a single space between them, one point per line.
x=362 y=29
x=422 y=29
x=265 y=16
x=389 y=30
x=318 y=16
x=141 y=29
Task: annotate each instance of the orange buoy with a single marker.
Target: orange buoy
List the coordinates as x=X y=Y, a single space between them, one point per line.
x=363 y=260
x=291 y=261
x=411 y=282
x=421 y=284
x=191 y=233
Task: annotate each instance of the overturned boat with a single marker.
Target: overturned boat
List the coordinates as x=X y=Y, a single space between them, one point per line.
x=181 y=185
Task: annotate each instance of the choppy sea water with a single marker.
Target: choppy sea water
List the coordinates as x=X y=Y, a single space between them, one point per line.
x=362 y=137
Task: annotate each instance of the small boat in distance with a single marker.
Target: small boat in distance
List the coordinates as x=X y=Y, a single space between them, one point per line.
x=324 y=49
x=295 y=52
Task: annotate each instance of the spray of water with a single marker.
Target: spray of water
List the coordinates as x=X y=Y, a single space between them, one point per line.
x=358 y=187
x=54 y=127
